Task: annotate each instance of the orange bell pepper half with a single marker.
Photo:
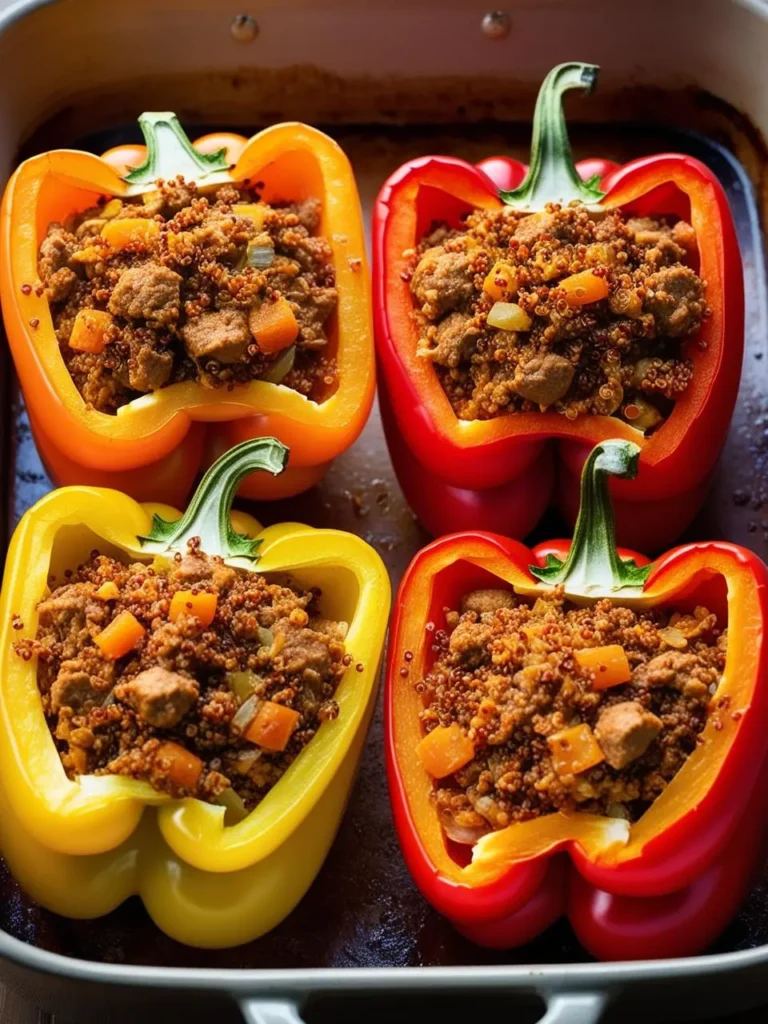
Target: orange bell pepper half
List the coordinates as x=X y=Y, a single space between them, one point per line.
x=510 y=890
x=156 y=445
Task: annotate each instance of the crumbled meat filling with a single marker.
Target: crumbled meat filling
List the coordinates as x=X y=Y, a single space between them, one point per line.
x=506 y=673
x=178 y=293
x=184 y=686
x=499 y=315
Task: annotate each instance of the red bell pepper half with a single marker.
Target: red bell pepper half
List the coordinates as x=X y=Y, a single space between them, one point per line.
x=662 y=886
x=498 y=474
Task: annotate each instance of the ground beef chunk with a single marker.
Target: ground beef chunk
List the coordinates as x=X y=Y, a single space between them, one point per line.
x=454 y=339
x=195 y=567
x=223 y=336
x=160 y=697
x=675 y=300
x=149 y=292
x=148 y=366
x=543 y=379
x=56 y=251
x=82 y=682
x=533 y=227
x=442 y=281
x=312 y=307
x=304 y=651
x=308 y=213
x=481 y=601
x=625 y=731
x=71 y=610
x=678 y=669
x=60 y=284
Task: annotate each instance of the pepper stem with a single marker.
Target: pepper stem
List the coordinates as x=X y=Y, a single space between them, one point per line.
x=170 y=153
x=208 y=516
x=593 y=567
x=552 y=176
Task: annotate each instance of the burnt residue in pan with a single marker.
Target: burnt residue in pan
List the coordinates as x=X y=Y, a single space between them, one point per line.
x=363 y=909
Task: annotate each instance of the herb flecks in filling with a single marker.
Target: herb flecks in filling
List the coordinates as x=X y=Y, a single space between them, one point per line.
x=219 y=288
x=201 y=679
x=567 y=310
x=526 y=705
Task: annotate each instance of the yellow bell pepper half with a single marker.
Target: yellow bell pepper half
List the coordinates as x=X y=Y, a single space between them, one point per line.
x=81 y=847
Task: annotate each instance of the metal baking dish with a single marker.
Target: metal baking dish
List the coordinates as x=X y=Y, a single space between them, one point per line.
x=363 y=941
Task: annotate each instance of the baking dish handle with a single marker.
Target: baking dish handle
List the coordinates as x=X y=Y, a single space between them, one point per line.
x=270 y=1011
x=562 y=1008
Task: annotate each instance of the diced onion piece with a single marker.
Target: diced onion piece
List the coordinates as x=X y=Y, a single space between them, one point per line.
x=508 y=316
x=266 y=636
x=273 y=725
x=89 y=330
x=259 y=256
x=641 y=414
x=245 y=714
x=119 y=234
x=257 y=212
x=581 y=289
x=202 y=606
x=281 y=367
x=273 y=325
x=111 y=209
x=235 y=808
x=501 y=282
x=108 y=591
x=184 y=768
x=444 y=750
x=121 y=636
x=242 y=684
x=461 y=833
x=246 y=759
x=609 y=664
x=574 y=750
x=673 y=638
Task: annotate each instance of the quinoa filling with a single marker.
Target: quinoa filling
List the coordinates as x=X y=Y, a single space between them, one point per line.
x=218 y=288
x=198 y=678
x=539 y=707
x=567 y=310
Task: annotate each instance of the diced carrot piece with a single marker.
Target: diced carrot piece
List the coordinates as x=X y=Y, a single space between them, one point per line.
x=583 y=288
x=202 y=606
x=574 y=750
x=89 y=330
x=257 y=212
x=184 y=768
x=444 y=750
x=108 y=591
x=273 y=725
x=130 y=231
x=501 y=282
x=120 y=636
x=273 y=325
x=609 y=664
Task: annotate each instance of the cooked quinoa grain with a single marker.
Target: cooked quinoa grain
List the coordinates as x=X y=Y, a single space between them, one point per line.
x=175 y=286
x=565 y=310
x=537 y=734
x=184 y=708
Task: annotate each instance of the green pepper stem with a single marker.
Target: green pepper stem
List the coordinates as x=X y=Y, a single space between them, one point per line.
x=208 y=516
x=552 y=176
x=593 y=567
x=170 y=153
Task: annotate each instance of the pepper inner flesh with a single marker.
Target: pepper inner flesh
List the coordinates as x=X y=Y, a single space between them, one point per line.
x=579 y=312
x=199 y=678
x=219 y=288
x=541 y=706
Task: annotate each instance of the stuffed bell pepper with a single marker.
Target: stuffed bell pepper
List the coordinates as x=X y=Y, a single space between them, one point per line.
x=522 y=315
x=165 y=302
x=184 y=700
x=574 y=731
